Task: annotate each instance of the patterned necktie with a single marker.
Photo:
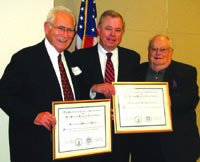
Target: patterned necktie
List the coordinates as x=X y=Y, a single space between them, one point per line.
x=109 y=73
x=68 y=95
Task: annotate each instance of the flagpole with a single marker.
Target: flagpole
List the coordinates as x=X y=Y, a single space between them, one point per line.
x=85 y=24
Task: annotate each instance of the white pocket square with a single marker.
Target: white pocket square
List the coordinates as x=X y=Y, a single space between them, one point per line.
x=76 y=70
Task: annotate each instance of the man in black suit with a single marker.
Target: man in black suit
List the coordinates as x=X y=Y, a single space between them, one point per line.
x=91 y=67
x=183 y=144
x=31 y=82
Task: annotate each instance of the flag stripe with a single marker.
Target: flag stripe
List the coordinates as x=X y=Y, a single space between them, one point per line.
x=86 y=32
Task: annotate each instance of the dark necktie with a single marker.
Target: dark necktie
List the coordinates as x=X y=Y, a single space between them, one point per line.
x=68 y=95
x=109 y=72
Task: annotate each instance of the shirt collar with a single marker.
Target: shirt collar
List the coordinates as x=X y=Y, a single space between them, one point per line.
x=160 y=72
x=53 y=53
x=103 y=51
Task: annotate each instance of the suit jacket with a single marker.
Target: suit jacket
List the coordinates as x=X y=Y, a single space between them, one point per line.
x=89 y=63
x=183 y=144
x=28 y=87
x=91 y=73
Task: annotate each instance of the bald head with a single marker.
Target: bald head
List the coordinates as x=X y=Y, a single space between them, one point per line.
x=159 y=52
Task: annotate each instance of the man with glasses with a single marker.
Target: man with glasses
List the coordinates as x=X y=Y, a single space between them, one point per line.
x=183 y=144
x=31 y=81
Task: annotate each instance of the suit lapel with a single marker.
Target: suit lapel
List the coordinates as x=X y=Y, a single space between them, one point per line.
x=121 y=63
x=169 y=73
x=95 y=65
x=143 y=71
x=48 y=71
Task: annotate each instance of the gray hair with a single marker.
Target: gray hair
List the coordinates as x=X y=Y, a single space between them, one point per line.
x=51 y=14
x=113 y=14
x=160 y=35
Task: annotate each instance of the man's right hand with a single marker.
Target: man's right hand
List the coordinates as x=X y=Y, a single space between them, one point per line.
x=45 y=119
x=105 y=88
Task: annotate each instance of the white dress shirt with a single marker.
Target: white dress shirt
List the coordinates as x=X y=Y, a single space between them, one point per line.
x=53 y=54
x=103 y=59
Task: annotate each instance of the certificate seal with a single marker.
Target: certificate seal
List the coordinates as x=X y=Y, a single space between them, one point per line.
x=138 y=119
x=88 y=140
x=78 y=142
x=148 y=119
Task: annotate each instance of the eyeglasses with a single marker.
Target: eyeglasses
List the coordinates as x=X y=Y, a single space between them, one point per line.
x=64 y=29
x=162 y=50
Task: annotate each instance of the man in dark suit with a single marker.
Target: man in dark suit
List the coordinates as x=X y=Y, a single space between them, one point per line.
x=183 y=144
x=91 y=67
x=31 y=82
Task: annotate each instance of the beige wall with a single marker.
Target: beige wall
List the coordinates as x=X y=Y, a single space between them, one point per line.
x=21 y=26
x=180 y=19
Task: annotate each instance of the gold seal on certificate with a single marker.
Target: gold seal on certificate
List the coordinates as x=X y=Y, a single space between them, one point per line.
x=82 y=128
x=142 y=107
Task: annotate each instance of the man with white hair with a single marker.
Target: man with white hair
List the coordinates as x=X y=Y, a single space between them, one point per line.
x=31 y=82
x=183 y=144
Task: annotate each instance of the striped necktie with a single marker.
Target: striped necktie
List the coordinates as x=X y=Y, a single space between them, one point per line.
x=68 y=95
x=109 y=72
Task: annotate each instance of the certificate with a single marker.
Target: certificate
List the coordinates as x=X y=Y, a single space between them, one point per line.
x=142 y=107
x=82 y=128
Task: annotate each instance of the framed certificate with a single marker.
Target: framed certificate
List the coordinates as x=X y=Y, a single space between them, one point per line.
x=142 y=107
x=82 y=128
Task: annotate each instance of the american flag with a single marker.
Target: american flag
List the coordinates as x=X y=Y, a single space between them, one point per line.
x=86 y=34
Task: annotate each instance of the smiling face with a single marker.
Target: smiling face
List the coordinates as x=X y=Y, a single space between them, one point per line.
x=159 y=53
x=60 y=39
x=110 y=32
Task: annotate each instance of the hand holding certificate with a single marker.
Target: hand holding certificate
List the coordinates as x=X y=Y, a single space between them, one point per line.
x=83 y=128
x=142 y=107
